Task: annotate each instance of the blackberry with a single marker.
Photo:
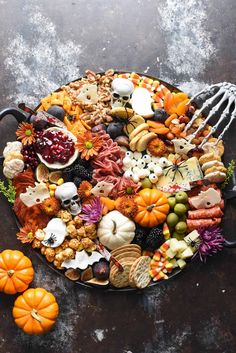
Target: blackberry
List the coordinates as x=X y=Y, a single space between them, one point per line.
x=154 y=239
x=82 y=172
x=140 y=236
x=77 y=181
x=67 y=174
x=82 y=162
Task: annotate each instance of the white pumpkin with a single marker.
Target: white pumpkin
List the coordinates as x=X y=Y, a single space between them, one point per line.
x=115 y=230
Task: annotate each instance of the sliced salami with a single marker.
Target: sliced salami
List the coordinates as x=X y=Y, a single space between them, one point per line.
x=197 y=223
x=202 y=213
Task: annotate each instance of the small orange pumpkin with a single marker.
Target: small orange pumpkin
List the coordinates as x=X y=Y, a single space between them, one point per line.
x=16 y=271
x=35 y=311
x=153 y=207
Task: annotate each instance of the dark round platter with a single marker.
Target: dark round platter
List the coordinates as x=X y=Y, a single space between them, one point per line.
x=18 y=114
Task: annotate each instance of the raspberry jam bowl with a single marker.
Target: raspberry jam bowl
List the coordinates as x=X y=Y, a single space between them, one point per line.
x=55 y=148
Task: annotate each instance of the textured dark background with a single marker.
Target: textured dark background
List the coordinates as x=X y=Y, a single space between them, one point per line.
x=189 y=43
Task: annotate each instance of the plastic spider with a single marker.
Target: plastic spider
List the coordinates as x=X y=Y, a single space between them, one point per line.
x=175 y=168
x=51 y=240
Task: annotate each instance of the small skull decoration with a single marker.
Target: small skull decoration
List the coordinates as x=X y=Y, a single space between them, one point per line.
x=68 y=195
x=121 y=92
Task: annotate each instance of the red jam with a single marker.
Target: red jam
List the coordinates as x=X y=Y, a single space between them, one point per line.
x=55 y=147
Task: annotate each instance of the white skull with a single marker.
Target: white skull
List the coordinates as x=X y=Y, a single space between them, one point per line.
x=121 y=92
x=68 y=195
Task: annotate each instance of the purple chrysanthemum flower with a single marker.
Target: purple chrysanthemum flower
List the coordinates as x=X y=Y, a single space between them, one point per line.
x=211 y=241
x=92 y=212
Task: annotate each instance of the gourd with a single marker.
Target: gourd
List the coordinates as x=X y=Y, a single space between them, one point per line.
x=16 y=271
x=153 y=207
x=35 y=311
x=115 y=230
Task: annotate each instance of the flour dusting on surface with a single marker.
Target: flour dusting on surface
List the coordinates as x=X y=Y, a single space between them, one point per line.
x=40 y=68
x=189 y=47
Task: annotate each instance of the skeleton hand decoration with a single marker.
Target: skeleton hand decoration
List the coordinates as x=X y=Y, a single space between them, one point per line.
x=225 y=94
x=121 y=92
x=68 y=195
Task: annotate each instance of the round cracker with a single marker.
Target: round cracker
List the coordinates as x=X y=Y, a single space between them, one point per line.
x=126 y=252
x=141 y=276
x=120 y=279
x=131 y=273
x=125 y=246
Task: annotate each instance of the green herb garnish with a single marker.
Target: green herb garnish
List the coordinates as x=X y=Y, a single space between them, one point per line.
x=229 y=173
x=8 y=191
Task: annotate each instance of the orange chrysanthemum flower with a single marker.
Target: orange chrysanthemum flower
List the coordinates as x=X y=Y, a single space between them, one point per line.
x=25 y=133
x=51 y=206
x=88 y=145
x=84 y=190
x=26 y=234
x=127 y=206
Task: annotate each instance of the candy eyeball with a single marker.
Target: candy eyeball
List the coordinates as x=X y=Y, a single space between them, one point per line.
x=129 y=154
x=151 y=166
x=141 y=173
x=147 y=172
x=134 y=163
x=135 y=170
x=137 y=155
x=140 y=163
x=163 y=162
x=158 y=170
x=155 y=160
x=146 y=158
x=153 y=178
x=128 y=174
x=127 y=161
x=135 y=178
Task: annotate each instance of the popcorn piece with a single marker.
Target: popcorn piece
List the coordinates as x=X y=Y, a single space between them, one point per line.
x=50 y=254
x=72 y=231
x=75 y=244
x=88 y=244
x=64 y=215
x=40 y=234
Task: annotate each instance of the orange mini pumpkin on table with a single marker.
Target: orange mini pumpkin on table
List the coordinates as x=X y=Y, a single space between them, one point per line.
x=35 y=311
x=16 y=271
x=153 y=207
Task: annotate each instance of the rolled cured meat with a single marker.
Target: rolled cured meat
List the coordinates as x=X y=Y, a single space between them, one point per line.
x=197 y=223
x=202 y=213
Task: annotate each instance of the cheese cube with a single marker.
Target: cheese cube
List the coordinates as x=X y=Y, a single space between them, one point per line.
x=181 y=263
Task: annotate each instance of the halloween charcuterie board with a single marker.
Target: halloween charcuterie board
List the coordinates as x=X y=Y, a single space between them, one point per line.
x=116 y=180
